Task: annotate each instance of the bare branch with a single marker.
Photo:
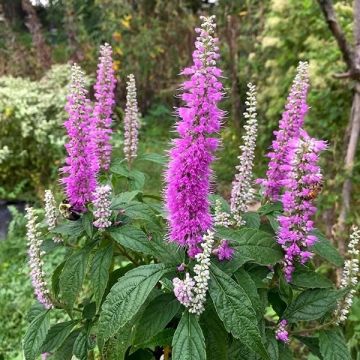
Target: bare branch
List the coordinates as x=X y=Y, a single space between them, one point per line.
x=330 y=17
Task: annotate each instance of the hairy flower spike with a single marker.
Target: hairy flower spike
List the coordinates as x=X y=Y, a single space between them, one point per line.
x=131 y=121
x=202 y=274
x=102 y=204
x=35 y=259
x=303 y=181
x=81 y=164
x=188 y=174
x=290 y=124
x=281 y=333
x=221 y=218
x=51 y=213
x=242 y=192
x=350 y=276
x=105 y=100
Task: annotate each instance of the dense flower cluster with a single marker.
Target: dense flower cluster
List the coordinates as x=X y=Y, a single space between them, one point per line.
x=350 y=276
x=303 y=181
x=105 y=100
x=51 y=213
x=102 y=204
x=224 y=251
x=188 y=174
x=81 y=164
x=183 y=289
x=35 y=259
x=131 y=121
x=281 y=333
x=191 y=292
x=242 y=192
x=290 y=124
x=221 y=218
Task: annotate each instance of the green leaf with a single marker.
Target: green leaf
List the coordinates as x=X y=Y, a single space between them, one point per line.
x=235 y=310
x=163 y=338
x=55 y=279
x=306 y=278
x=270 y=208
x=273 y=220
x=35 y=310
x=188 y=342
x=65 y=351
x=256 y=245
x=326 y=250
x=156 y=316
x=89 y=311
x=155 y=158
x=248 y=285
x=87 y=223
x=311 y=305
x=35 y=335
x=57 y=335
x=99 y=273
x=72 y=277
x=333 y=345
x=238 y=351
x=123 y=198
x=284 y=352
x=272 y=345
x=216 y=337
x=252 y=220
x=135 y=239
x=80 y=349
x=70 y=228
x=312 y=343
x=126 y=297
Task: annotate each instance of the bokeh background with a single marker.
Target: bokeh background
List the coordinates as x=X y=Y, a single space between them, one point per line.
x=261 y=41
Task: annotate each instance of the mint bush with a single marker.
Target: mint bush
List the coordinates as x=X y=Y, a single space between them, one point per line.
x=194 y=278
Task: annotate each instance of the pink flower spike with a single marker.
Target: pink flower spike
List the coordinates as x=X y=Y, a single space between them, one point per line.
x=188 y=174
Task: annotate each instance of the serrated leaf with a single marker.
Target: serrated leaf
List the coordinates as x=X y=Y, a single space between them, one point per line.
x=163 y=338
x=139 y=211
x=155 y=317
x=216 y=337
x=35 y=310
x=235 y=310
x=326 y=250
x=55 y=279
x=252 y=220
x=248 y=285
x=333 y=345
x=135 y=239
x=72 y=277
x=188 y=341
x=311 y=305
x=66 y=349
x=306 y=278
x=257 y=245
x=80 y=349
x=35 y=335
x=57 y=335
x=99 y=273
x=123 y=198
x=87 y=223
x=126 y=297
x=70 y=228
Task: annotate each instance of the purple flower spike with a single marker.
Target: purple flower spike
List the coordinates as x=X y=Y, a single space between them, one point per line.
x=290 y=124
x=188 y=174
x=81 y=164
x=105 y=100
x=302 y=184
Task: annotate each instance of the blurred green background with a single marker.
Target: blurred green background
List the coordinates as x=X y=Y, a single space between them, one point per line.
x=261 y=41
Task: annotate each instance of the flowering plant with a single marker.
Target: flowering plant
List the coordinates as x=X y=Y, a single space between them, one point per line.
x=196 y=278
